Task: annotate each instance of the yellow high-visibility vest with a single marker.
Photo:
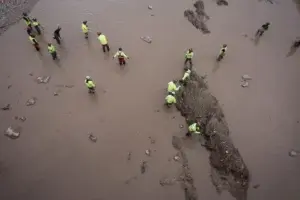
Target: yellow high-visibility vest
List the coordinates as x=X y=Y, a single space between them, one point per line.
x=102 y=39
x=84 y=28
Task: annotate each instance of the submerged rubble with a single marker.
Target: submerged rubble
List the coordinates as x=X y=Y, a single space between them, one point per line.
x=196 y=104
x=43 y=79
x=198 y=18
x=12 y=133
x=31 y=101
x=6 y=107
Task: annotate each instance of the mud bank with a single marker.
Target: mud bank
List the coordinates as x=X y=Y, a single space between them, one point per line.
x=11 y=11
x=228 y=172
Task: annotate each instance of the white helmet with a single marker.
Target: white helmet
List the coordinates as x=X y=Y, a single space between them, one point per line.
x=88 y=77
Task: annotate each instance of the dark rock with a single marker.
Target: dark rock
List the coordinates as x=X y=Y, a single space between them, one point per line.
x=150 y=7
x=31 y=102
x=8 y=87
x=152 y=141
x=256 y=186
x=6 y=107
x=92 y=137
x=30 y=74
x=55 y=94
x=143 y=167
x=129 y=155
x=22 y=119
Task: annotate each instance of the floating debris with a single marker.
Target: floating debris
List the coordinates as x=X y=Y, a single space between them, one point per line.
x=176 y=158
x=148 y=152
x=9 y=86
x=31 y=102
x=12 y=133
x=246 y=77
x=152 y=141
x=43 y=79
x=256 y=186
x=181 y=126
x=294 y=153
x=22 y=119
x=143 y=167
x=55 y=94
x=92 y=137
x=150 y=7
x=222 y=3
x=6 y=107
x=30 y=74
x=167 y=181
x=129 y=155
x=245 y=84
x=146 y=39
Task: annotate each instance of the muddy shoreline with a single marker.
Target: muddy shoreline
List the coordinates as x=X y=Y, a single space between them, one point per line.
x=11 y=12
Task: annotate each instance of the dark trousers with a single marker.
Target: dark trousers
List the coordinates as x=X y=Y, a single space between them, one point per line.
x=57 y=38
x=38 y=30
x=86 y=35
x=36 y=46
x=122 y=61
x=188 y=60
x=54 y=55
x=105 y=47
x=91 y=90
x=259 y=33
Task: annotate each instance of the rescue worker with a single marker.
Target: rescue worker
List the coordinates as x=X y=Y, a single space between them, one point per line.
x=36 y=25
x=186 y=76
x=193 y=129
x=90 y=84
x=34 y=42
x=29 y=30
x=26 y=19
x=188 y=57
x=85 y=29
x=172 y=88
x=170 y=99
x=222 y=52
x=261 y=30
x=52 y=51
x=56 y=34
x=121 y=57
x=103 y=41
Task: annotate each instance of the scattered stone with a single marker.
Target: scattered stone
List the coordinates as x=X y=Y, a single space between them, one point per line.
x=167 y=181
x=143 y=167
x=246 y=77
x=129 y=155
x=12 y=133
x=43 y=79
x=8 y=87
x=294 y=153
x=222 y=3
x=181 y=126
x=22 y=119
x=150 y=7
x=152 y=141
x=148 y=152
x=30 y=74
x=245 y=84
x=176 y=158
x=55 y=94
x=6 y=107
x=31 y=102
x=146 y=39
x=256 y=186
x=92 y=137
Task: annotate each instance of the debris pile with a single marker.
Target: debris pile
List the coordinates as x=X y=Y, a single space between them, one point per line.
x=199 y=17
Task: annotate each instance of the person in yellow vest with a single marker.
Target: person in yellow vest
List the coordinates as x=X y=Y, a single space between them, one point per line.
x=172 y=87
x=170 y=99
x=194 y=128
x=103 y=41
x=52 y=51
x=34 y=42
x=36 y=25
x=85 y=29
x=90 y=84
x=26 y=19
x=121 y=57
x=222 y=52
x=188 y=57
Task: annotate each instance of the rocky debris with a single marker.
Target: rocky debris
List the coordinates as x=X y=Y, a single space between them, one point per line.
x=150 y=7
x=246 y=77
x=22 y=119
x=30 y=74
x=256 y=186
x=157 y=110
x=167 y=181
x=181 y=126
x=31 y=101
x=12 y=133
x=152 y=141
x=176 y=158
x=92 y=137
x=55 y=94
x=245 y=84
x=143 y=167
x=294 y=153
x=129 y=155
x=198 y=18
x=9 y=86
x=6 y=107
x=222 y=3
x=146 y=39
x=43 y=79
x=196 y=104
x=148 y=152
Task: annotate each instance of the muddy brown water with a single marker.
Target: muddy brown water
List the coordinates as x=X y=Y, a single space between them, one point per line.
x=54 y=158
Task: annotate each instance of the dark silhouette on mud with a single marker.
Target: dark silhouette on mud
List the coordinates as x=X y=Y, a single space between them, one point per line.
x=196 y=104
x=199 y=17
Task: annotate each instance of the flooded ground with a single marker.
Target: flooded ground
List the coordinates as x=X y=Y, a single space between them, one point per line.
x=54 y=158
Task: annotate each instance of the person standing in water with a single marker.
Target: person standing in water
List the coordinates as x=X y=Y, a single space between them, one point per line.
x=52 y=51
x=121 y=57
x=56 y=34
x=103 y=41
x=85 y=29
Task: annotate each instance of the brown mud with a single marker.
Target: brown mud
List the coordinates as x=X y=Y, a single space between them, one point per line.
x=196 y=104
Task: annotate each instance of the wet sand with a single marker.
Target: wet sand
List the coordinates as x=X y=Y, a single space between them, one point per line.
x=54 y=159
